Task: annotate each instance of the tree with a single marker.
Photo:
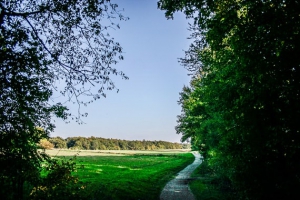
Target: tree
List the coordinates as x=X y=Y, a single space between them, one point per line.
x=45 y=144
x=43 y=43
x=246 y=55
x=58 y=142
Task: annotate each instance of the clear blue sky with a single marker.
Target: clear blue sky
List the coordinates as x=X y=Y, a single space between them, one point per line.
x=146 y=105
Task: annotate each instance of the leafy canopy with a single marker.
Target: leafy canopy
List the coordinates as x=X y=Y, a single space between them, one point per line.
x=242 y=107
x=45 y=43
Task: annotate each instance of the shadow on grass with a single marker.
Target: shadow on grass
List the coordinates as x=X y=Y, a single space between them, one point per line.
x=205 y=185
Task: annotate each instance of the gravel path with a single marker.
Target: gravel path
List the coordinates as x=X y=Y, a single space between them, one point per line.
x=178 y=189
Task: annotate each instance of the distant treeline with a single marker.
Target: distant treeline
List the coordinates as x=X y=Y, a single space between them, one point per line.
x=96 y=143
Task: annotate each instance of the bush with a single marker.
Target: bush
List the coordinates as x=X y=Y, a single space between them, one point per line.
x=59 y=183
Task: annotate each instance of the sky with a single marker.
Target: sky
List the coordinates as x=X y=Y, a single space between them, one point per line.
x=146 y=105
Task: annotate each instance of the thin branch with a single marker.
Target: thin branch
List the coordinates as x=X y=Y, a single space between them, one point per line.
x=15 y=14
x=60 y=63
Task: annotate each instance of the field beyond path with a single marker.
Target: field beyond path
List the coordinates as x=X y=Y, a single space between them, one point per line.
x=178 y=189
x=125 y=175
x=67 y=152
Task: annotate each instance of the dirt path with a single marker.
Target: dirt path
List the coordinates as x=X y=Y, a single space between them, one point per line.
x=178 y=189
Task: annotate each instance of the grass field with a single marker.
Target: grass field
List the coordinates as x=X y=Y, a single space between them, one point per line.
x=128 y=174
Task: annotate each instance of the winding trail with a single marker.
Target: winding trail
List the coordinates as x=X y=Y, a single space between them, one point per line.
x=178 y=188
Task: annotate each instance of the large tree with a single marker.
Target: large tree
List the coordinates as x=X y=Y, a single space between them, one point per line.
x=44 y=43
x=246 y=53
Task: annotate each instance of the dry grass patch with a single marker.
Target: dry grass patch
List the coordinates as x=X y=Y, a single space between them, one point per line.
x=67 y=152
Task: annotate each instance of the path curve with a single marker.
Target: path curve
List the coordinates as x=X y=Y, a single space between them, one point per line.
x=178 y=188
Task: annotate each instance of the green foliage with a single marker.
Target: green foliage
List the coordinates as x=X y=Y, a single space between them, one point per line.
x=94 y=143
x=242 y=107
x=58 y=142
x=59 y=183
x=43 y=43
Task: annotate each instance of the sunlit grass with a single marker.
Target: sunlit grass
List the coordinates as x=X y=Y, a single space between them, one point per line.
x=130 y=176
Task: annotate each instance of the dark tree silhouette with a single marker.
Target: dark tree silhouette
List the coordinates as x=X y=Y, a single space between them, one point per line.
x=242 y=109
x=44 y=43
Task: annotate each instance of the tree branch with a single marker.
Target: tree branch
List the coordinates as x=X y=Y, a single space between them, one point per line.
x=56 y=59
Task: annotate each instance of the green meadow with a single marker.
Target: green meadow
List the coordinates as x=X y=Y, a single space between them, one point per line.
x=140 y=175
